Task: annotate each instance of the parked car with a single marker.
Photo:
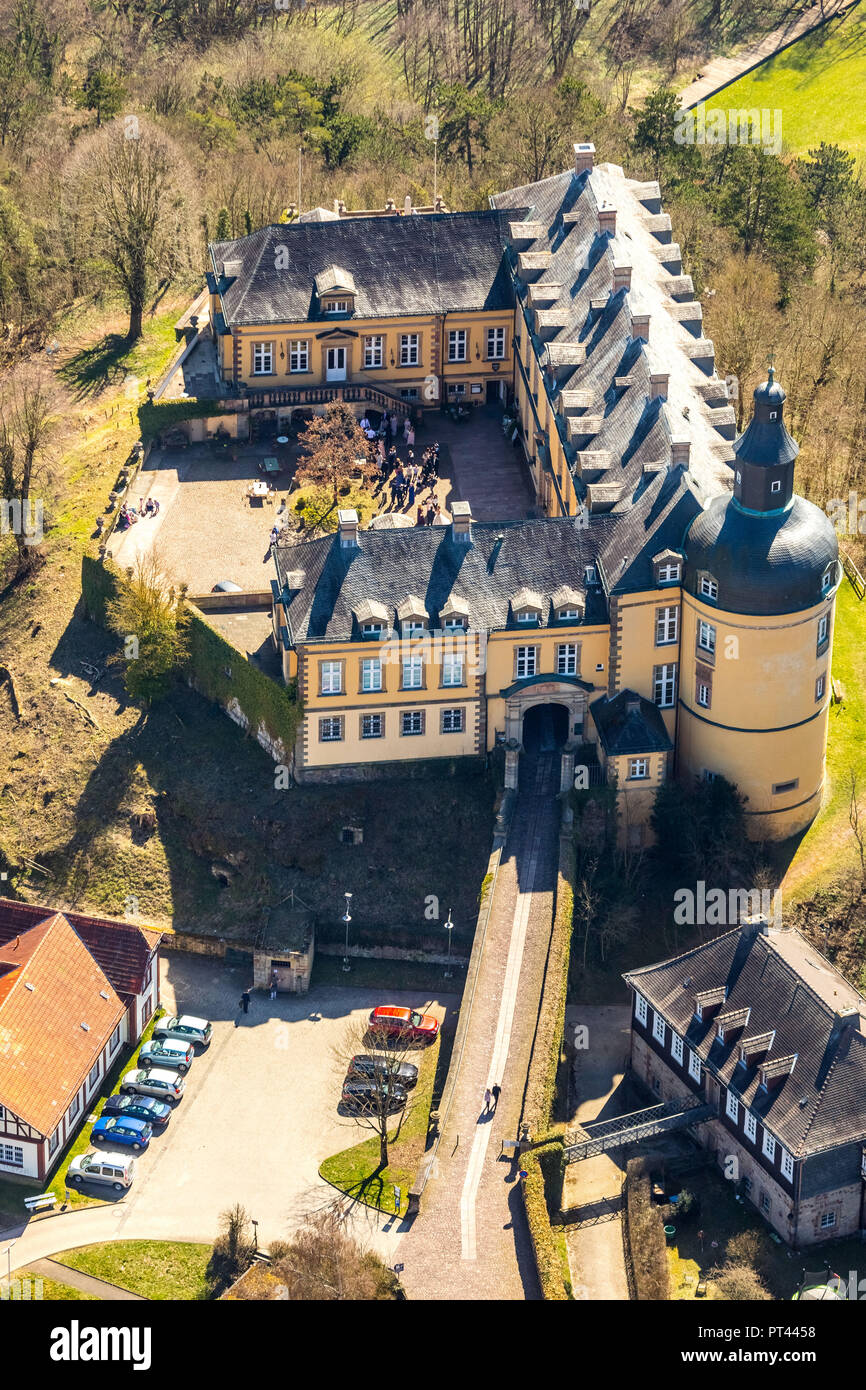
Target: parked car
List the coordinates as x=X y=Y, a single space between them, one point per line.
x=165 y=1085
x=226 y=586
x=365 y=1096
x=112 y=1169
x=392 y=1021
x=126 y=1133
x=155 y=1112
x=381 y=1068
x=186 y=1029
x=167 y=1052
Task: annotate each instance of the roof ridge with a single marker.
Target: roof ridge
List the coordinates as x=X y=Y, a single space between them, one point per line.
x=683 y=955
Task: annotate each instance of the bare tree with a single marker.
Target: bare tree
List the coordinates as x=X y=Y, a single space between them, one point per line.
x=324 y=1263
x=380 y=1073
x=28 y=412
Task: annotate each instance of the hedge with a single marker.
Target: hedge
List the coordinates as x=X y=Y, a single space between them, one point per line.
x=267 y=706
x=543 y=1185
x=156 y=416
x=546 y=1048
x=644 y=1232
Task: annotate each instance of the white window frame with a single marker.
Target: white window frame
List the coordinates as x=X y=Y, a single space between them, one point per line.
x=374 y=350
x=527 y=615
x=371 y=674
x=411 y=715
x=828 y=1220
x=732 y=1107
x=638 y=769
x=299 y=356
x=676 y=1047
x=704 y=694
x=413 y=666
x=708 y=587
x=667 y=625
x=525 y=662
x=331 y=677
x=566 y=659
x=263 y=352
x=495 y=344
x=640 y=1008
x=338 y=306
x=665 y=685
x=12 y=1155
x=694 y=1066
x=750 y=1126
x=452 y=669
x=453 y=721
x=74 y=1107
x=380 y=732
x=823 y=629
x=458 y=344
x=820 y=687
x=94 y=1074
x=669 y=574
x=706 y=636
x=568 y=614
x=115 y=1040
x=371 y=629
x=658 y=1027
x=331 y=722
x=787 y=1165
x=768 y=1147
x=410 y=349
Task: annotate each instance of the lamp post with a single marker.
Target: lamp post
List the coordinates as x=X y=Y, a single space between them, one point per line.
x=449 y=927
x=347 y=917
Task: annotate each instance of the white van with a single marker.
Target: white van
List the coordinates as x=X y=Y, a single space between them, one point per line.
x=114 y=1169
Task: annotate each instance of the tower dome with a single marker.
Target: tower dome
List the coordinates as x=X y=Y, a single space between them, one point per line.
x=765 y=453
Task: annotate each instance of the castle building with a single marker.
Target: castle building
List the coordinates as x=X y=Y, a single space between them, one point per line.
x=673 y=599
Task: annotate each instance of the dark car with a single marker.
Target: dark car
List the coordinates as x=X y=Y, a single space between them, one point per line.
x=381 y=1068
x=153 y=1112
x=365 y=1096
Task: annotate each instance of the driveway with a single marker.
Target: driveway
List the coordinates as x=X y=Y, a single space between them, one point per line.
x=258 y=1117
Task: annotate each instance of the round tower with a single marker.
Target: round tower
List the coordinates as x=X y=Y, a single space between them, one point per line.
x=759 y=588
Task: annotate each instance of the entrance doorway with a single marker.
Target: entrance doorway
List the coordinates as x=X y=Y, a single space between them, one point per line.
x=494 y=392
x=335 y=364
x=545 y=728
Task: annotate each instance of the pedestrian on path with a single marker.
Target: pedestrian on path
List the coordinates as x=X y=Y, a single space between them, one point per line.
x=245 y=1001
x=497 y=1092
x=487 y=1100
x=273 y=984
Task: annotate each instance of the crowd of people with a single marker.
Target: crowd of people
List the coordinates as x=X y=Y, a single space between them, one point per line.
x=127 y=516
x=404 y=481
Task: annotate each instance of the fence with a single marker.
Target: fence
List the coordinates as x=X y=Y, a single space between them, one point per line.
x=858 y=583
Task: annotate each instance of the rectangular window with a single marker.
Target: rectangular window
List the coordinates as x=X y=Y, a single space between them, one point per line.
x=525 y=662
x=337 y=306
x=409 y=354
x=640 y=1007
x=668 y=574
x=787 y=1165
x=263 y=359
x=331 y=677
x=413 y=673
x=765 y=1203
x=732 y=1107
x=372 y=629
x=666 y=626
x=704 y=694
x=457 y=345
x=452 y=721
x=677 y=1048
x=374 y=350
x=823 y=631
x=768 y=1148
x=638 y=768
x=53 y=1142
x=330 y=730
x=665 y=685
x=452 y=670
x=94 y=1074
x=820 y=687
x=566 y=659
x=694 y=1066
x=709 y=587
x=495 y=343
x=12 y=1156
x=74 y=1107
x=750 y=1124
x=780 y=787
x=299 y=356
x=828 y=1218
x=658 y=1027
x=412 y=722
x=706 y=637
x=747 y=1186
x=115 y=1040
x=372 y=725
x=371 y=673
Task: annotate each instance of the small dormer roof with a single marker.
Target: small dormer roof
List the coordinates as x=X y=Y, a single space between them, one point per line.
x=334 y=279
x=371 y=611
x=455 y=608
x=527 y=598
x=411 y=607
x=566 y=597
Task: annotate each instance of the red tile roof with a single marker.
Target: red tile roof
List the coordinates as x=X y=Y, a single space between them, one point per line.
x=52 y=986
x=122 y=949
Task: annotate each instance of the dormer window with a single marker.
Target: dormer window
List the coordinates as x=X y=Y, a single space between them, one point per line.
x=527 y=606
x=708 y=587
x=589 y=574
x=669 y=574
x=568 y=605
x=527 y=615
x=455 y=624
x=372 y=618
x=565 y=613
x=413 y=626
x=372 y=629
x=776 y=485
x=336 y=292
x=412 y=616
x=336 y=306
x=828 y=577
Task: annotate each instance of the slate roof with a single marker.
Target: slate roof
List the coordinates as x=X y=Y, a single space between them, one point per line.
x=624 y=421
x=50 y=985
x=401 y=265
x=121 y=949
x=822 y=1103
x=389 y=565
x=629 y=724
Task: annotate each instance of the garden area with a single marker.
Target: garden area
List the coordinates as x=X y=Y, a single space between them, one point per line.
x=153 y=1269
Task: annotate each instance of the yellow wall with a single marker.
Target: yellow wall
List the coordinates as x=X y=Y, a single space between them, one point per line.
x=638 y=651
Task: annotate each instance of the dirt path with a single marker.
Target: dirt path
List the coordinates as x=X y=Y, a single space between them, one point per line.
x=720 y=72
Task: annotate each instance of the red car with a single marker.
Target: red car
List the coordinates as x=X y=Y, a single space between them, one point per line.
x=404 y=1023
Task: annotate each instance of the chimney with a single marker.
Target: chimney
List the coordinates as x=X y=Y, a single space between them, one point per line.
x=640 y=326
x=407 y=204
x=348 y=519
x=621 y=278
x=584 y=157
x=607 y=219
x=755 y=924
x=390 y=205
x=848 y=1017
x=461 y=523
x=659 y=382
x=680 y=450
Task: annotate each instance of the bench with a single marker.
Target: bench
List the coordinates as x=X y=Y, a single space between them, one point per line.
x=44 y=1202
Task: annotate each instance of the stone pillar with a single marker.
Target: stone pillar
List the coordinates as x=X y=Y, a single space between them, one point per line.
x=512 y=764
x=566 y=780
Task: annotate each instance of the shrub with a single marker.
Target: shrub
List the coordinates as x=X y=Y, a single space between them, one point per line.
x=548 y=1258
x=740 y=1283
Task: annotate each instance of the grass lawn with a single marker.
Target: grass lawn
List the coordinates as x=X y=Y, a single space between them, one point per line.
x=52 y=1291
x=813 y=84
x=156 y=1269
x=355 y=1170
x=827 y=843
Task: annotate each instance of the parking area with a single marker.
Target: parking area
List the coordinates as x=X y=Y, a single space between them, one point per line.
x=260 y=1110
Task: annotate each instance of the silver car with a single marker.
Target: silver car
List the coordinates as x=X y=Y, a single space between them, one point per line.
x=186 y=1028
x=165 y=1085
x=114 y=1169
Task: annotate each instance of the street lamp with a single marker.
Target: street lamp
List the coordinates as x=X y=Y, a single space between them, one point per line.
x=449 y=927
x=347 y=917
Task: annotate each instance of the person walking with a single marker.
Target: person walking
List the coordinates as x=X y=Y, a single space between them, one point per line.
x=273 y=984
x=410 y=434
x=244 y=1003
x=394 y=425
x=497 y=1092
x=419 y=519
x=487 y=1100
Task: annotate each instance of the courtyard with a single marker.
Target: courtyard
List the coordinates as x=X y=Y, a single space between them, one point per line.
x=208 y=530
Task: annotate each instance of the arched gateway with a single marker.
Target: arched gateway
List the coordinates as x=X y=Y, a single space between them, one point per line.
x=568 y=693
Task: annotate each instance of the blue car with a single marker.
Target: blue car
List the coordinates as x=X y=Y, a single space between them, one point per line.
x=133 y=1134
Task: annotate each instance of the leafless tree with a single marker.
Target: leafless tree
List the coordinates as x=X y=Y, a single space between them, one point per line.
x=380 y=1110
